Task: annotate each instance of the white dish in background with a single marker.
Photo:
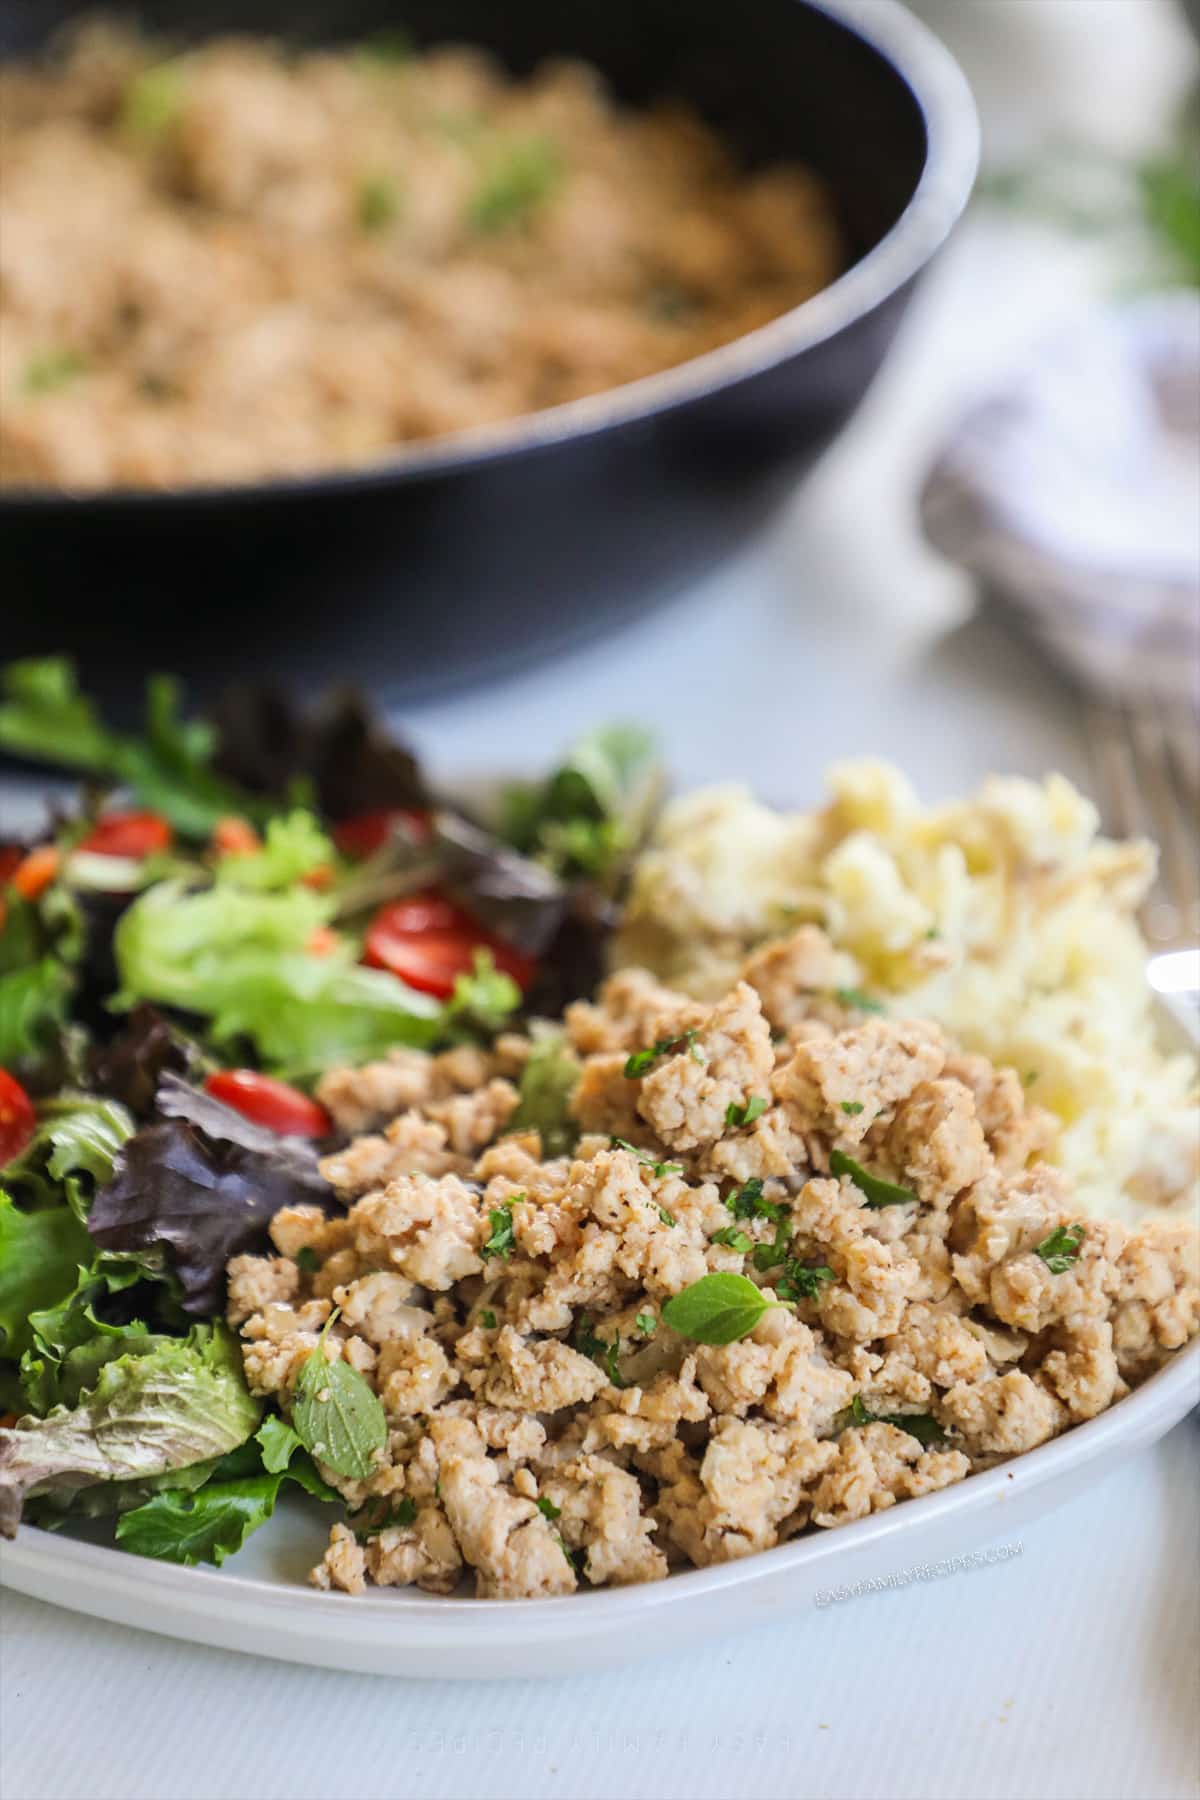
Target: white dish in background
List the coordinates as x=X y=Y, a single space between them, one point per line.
x=260 y=1603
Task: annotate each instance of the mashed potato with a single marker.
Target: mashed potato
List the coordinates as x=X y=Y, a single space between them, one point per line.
x=1005 y=917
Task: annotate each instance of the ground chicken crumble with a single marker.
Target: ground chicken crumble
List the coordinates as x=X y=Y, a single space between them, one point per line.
x=548 y=1428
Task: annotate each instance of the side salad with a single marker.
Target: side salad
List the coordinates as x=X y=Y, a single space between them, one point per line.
x=235 y=904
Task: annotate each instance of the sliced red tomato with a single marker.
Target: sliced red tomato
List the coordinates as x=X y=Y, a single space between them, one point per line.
x=368 y=832
x=11 y=858
x=429 y=942
x=128 y=834
x=17 y=1118
x=276 y=1105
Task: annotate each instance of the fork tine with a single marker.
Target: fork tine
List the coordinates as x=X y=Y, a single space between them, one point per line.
x=1168 y=909
x=1112 y=760
x=1146 y=788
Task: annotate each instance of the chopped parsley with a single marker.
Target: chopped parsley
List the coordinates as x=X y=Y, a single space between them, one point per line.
x=747 y=1202
x=307 y=1260
x=584 y=1339
x=514 y=184
x=852 y=1107
x=377 y=202
x=667 y=1217
x=487 y=1319
x=646 y=1323
x=802 y=1281
x=403 y=1513
x=601 y=1350
x=922 y=1426
x=857 y=1000
x=548 y=1509
x=874 y=1188
x=1061 y=1248
x=733 y=1237
x=501 y=1242
x=50 y=370
x=658 y=1169
x=768 y=1256
x=612 y=1368
x=637 y=1063
x=753 y=1108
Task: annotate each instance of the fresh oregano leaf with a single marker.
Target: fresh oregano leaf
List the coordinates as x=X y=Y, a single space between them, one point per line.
x=337 y=1417
x=717 y=1309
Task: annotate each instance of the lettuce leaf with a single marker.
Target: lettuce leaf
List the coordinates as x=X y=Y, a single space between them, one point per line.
x=40 y=1253
x=107 y=1313
x=293 y=847
x=33 y=1011
x=182 y=1402
x=241 y=959
x=44 y=716
x=548 y=1080
x=71 y=1152
x=213 y=1522
x=591 y=813
x=198 y=1187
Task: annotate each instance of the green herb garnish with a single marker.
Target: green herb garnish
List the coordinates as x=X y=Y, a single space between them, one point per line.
x=518 y=179
x=377 y=202
x=646 y=1323
x=336 y=1416
x=50 y=370
x=733 y=1237
x=802 y=1281
x=639 y=1061
x=1061 y=1248
x=658 y=1169
x=487 y=1319
x=876 y=1191
x=548 y=1509
x=585 y=1340
x=403 y=1513
x=852 y=1108
x=747 y=1202
x=549 y=1078
x=501 y=1242
x=307 y=1260
x=753 y=1108
x=857 y=1000
x=717 y=1309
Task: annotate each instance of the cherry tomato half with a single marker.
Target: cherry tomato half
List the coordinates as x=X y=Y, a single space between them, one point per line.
x=429 y=942
x=17 y=1118
x=273 y=1104
x=368 y=832
x=128 y=834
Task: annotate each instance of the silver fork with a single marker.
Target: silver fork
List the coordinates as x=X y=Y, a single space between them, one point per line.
x=1147 y=765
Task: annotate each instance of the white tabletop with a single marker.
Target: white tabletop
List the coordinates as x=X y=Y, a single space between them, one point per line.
x=1069 y=1669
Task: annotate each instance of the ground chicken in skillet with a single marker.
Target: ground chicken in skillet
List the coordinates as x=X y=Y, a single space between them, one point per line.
x=548 y=1428
x=243 y=260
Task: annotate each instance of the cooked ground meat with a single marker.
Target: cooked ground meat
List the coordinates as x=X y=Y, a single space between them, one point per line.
x=239 y=260
x=546 y=1426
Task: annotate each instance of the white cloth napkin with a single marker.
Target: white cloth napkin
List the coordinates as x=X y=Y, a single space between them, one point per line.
x=1073 y=493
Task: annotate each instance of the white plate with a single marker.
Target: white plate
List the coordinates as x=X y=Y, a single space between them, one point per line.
x=257 y=1603
x=260 y=1602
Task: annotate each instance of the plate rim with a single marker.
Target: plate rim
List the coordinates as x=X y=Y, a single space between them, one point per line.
x=1147 y=1412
